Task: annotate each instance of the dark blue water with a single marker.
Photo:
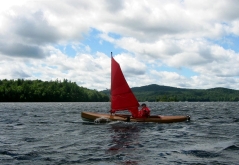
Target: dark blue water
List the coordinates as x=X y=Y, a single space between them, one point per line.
x=54 y=133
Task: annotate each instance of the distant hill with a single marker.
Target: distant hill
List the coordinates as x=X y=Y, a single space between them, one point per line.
x=166 y=93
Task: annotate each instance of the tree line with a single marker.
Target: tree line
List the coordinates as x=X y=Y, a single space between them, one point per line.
x=66 y=91
x=47 y=91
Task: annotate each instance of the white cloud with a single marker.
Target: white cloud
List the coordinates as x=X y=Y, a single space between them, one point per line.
x=234 y=27
x=130 y=65
x=174 y=33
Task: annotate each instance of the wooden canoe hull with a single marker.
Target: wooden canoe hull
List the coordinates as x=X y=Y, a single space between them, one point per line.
x=101 y=117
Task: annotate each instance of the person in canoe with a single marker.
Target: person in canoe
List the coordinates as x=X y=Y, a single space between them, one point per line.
x=144 y=112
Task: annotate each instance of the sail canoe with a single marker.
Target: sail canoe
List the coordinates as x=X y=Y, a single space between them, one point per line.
x=122 y=98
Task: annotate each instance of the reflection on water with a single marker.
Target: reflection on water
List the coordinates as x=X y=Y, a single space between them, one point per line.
x=124 y=141
x=124 y=135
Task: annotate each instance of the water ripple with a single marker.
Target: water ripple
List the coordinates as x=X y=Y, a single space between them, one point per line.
x=54 y=133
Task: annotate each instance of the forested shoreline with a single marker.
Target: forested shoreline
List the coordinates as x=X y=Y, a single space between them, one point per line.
x=47 y=91
x=66 y=91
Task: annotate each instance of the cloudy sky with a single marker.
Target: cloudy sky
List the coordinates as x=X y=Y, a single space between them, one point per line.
x=180 y=43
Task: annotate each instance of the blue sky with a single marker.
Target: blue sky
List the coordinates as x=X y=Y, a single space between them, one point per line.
x=96 y=44
x=185 y=44
x=230 y=42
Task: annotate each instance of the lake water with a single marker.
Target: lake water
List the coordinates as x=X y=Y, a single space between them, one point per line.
x=54 y=134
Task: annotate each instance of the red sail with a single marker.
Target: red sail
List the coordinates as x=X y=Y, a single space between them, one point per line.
x=122 y=98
